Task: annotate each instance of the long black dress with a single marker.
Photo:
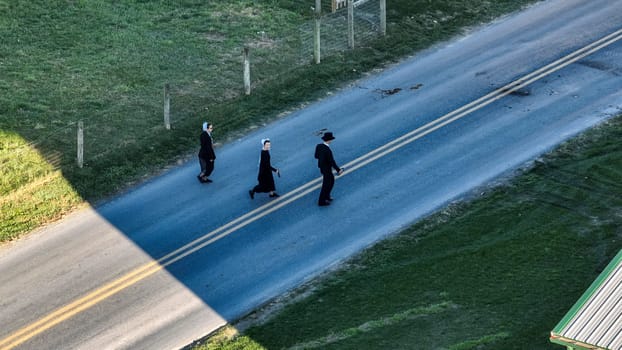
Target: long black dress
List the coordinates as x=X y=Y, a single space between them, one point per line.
x=266 y=181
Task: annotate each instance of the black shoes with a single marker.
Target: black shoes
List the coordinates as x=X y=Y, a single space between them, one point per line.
x=252 y=194
x=326 y=202
x=203 y=179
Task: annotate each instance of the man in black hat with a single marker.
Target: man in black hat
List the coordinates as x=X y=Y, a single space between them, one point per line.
x=326 y=163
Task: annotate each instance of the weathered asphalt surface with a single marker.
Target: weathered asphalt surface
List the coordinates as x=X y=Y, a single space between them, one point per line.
x=267 y=257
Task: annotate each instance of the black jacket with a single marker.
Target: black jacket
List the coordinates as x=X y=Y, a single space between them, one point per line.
x=325 y=160
x=207 y=149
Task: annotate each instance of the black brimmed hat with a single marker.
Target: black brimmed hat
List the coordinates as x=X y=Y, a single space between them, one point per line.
x=328 y=136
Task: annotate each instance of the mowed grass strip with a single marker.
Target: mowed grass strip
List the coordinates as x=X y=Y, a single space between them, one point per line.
x=510 y=263
x=32 y=190
x=106 y=64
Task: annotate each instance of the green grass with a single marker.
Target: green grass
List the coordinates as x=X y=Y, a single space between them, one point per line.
x=106 y=63
x=33 y=191
x=497 y=272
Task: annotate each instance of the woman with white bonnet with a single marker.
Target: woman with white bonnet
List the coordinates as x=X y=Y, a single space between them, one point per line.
x=206 y=153
x=266 y=181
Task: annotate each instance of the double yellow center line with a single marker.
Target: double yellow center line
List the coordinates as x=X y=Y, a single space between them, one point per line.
x=87 y=301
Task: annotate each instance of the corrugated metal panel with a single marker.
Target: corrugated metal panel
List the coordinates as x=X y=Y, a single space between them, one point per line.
x=597 y=319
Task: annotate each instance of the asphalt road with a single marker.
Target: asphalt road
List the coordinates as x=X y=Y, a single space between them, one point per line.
x=174 y=259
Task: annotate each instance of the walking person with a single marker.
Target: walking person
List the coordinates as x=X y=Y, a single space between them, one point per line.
x=266 y=181
x=206 y=153
x=326 y=163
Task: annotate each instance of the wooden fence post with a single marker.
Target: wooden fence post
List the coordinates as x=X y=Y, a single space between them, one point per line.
x=337 y=4
x=247 y=72
x=351 y=24
x=167 y=106
x=383 y=17
x=80 y=144
x=316 y=41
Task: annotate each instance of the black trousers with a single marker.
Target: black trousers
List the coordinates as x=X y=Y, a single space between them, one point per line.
x=328 y=181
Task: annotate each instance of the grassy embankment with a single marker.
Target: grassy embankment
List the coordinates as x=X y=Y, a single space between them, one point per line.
x=498 y=272
x=106 y=63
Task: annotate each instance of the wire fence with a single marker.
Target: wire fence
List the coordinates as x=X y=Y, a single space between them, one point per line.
x=352 y=24
x=333 y=38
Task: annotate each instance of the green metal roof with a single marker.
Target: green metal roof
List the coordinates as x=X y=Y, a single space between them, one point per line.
x=595 y=320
